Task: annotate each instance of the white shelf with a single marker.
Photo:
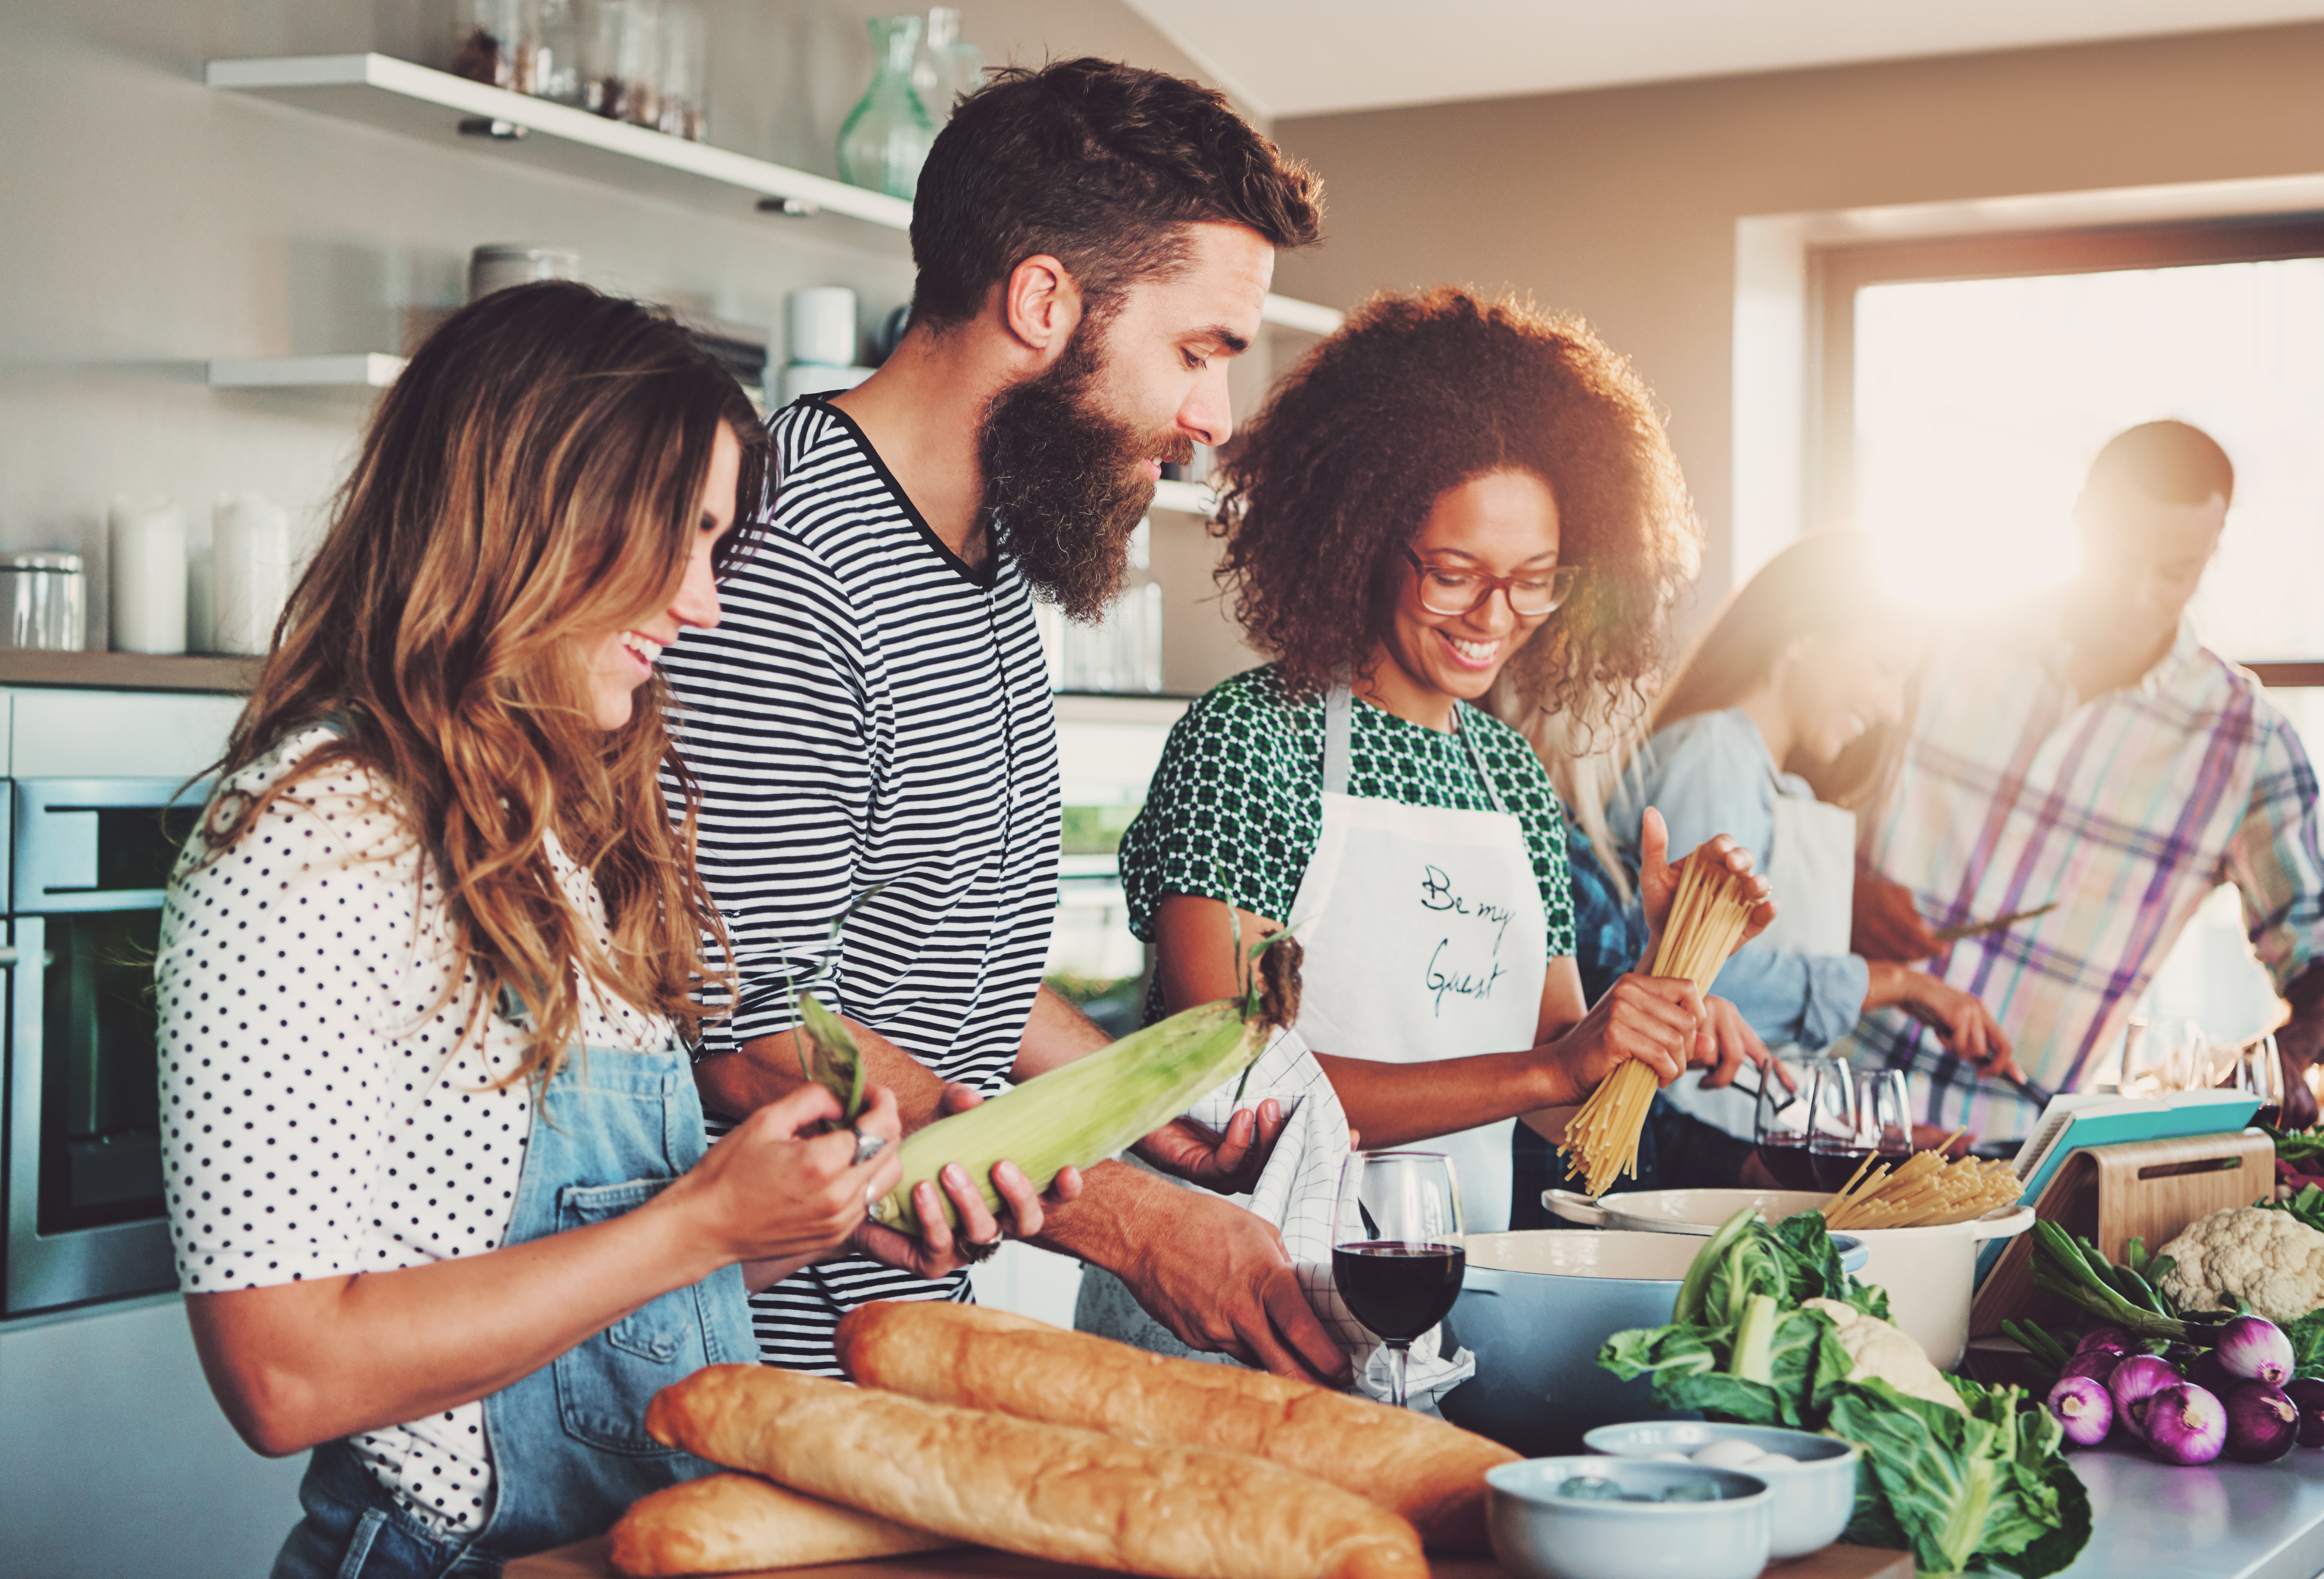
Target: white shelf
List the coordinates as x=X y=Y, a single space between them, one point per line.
x=1192 y=498
x=418 y=101
x=363 y=370
x=1121 y=707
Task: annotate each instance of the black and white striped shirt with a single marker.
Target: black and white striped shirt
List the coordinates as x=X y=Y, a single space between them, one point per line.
x=871 y=711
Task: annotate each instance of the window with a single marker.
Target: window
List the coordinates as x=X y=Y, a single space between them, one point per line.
x=1965 y=384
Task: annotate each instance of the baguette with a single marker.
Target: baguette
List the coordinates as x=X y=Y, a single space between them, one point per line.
x=1045 y=1490
x=1432 y=1474
x=733 y=1524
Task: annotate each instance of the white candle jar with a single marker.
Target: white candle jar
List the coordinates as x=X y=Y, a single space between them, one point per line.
x=147 y=559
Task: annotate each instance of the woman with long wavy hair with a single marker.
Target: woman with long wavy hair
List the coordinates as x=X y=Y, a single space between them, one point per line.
x=435 y=1168
x=1448 y=488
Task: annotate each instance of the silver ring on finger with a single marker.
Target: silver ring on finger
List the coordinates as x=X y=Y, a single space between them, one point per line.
x=973 y=1250
x=868 y=1146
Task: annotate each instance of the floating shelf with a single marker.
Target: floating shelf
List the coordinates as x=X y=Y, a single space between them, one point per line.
x=363 y=370
x=418 y=101
x=1119 y=707
x=1192 y=498
x=127 y=671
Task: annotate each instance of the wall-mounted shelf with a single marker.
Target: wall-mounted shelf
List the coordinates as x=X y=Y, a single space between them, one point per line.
x=1192 y=498
x=361 y=370
x=1119 y=707
x=418 y=101
x=126 y=672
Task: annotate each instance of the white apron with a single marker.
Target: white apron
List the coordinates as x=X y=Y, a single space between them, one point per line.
x=1425 y=939
x=1810 y=866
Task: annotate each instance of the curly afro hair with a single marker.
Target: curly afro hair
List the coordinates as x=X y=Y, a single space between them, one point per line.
x=1413 y=396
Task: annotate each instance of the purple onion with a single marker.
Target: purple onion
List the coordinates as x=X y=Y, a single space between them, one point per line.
x=2207 y=1372
x=2107 y=1337
x=2084 y=1408
x=2137 y=1379
x=2186 y=1424
x=2253 y=1348
x=2097 y=1364
x=2307 y=1396
x=2262 y=1422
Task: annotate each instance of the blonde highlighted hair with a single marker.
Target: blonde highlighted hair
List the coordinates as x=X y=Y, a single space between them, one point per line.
x=531 y=480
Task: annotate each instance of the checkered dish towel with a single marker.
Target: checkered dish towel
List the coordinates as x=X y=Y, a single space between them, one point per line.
x=1295 y=1193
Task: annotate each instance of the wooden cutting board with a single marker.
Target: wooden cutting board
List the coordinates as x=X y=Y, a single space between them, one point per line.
x=586 y=1560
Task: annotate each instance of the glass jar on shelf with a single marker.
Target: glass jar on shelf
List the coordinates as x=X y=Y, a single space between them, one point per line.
x=621 y=66
x=495 y=41
x=947 y=66
x=557 y=53
x=685 y=96
x=885 y=138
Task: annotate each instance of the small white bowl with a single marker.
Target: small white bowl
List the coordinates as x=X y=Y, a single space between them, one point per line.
x=1540 y=1535
x=1814 y=1498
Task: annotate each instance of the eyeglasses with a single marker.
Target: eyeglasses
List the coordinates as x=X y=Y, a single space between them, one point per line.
x=1532 y=594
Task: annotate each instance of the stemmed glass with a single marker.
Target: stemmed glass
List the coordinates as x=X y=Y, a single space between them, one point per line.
x=1779 y=1129
x=1397 y=1251
x=1883 y=1113
x=2259 y=1073
x=1834 y=1147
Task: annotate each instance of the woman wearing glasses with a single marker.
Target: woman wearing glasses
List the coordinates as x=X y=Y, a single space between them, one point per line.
x=1784 y=717
x=1450 y=492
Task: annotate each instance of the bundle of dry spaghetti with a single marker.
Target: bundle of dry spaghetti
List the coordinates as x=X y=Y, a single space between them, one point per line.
x=1923 y=1191
x=1706 y=921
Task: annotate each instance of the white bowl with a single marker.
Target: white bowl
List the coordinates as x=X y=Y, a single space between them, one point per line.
x=1540 y=1535
x=1814 y=1498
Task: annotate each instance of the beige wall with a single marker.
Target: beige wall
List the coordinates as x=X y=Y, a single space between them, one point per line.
x=1621 y=204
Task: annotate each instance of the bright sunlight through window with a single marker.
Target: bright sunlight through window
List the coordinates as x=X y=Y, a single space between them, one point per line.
x=1979 y=403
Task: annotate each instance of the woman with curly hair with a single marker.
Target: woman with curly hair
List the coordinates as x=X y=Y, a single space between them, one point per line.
x=1447 y=490
x=435 y=1168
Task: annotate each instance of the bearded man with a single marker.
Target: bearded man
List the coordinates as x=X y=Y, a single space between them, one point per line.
x=871 y=723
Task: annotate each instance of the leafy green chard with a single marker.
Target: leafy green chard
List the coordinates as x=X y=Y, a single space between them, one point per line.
x=1984 y=1487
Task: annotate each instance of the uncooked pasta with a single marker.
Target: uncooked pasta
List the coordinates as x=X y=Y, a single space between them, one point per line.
x=1706 y=922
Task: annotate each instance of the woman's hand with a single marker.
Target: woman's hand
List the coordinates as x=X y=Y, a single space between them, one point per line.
x=1658 y=878
x=1961 y=1020
x=939 y=1249
x=1726 y=1042
x=1654 y=1020
x=768 y=1192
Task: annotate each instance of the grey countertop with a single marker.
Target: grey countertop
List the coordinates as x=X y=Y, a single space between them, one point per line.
x=2222 y=1520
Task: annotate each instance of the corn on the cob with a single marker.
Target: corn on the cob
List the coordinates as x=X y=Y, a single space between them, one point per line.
x=1095 y=1107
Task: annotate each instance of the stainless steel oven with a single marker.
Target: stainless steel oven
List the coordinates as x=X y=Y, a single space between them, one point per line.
x=86 y=860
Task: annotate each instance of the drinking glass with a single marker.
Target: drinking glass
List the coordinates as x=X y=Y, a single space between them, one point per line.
x=2259 y=1073
x=1883 y=1113
x=1835 y=1142
x=1779 y=1129
x=1397 y=1253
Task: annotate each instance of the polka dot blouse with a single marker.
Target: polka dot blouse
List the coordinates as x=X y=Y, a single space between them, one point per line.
x=321 y=1115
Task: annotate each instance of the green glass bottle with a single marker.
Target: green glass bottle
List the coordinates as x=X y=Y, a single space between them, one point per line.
x=886 y=136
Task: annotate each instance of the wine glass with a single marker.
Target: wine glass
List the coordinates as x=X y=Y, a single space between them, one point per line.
x=1779 y=1129
x=1883 y=1113
x=1397 y=1253
x=2259 y=1073
x=1834 y=1145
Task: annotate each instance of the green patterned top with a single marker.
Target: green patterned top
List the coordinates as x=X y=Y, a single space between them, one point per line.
x=1236 y=804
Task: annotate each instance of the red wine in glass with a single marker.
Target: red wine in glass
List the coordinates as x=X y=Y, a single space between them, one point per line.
x=1835 y=1165
x=1787 y=1162
x=1398 y=1289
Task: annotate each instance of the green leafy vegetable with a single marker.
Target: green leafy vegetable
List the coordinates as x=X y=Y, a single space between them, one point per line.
x=1983 y=1488
x=2307 y=1206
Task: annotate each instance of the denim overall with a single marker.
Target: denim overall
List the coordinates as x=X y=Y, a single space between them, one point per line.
x=569 y=1443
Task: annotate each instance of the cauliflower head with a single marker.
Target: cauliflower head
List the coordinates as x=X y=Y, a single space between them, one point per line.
x=1877 y=1350
x=2272 y=1258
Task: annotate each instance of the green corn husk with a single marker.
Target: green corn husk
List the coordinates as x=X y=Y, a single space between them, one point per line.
x=1095 y=1107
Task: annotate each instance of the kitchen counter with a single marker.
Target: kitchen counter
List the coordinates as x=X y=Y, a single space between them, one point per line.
x=2222 y=1520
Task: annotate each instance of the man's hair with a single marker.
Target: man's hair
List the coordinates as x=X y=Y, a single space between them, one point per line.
x=1100 y=165
x=2171 y=463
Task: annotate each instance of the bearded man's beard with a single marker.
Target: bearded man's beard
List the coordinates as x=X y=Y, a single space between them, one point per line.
x=1065 y=482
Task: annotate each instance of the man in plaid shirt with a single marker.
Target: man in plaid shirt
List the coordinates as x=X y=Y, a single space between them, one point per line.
x=2083 y=748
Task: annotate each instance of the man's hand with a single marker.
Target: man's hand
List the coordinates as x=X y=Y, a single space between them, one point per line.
x=1220 y=1278
x=1230 y=1163
x=1886 y=924
x=938 y=1249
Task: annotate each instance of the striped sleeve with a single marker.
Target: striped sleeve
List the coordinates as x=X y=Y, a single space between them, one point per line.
x=2275 y=860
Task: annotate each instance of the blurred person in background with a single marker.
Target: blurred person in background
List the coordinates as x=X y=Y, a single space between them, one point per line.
x=2081 y=746
x=1784 y=714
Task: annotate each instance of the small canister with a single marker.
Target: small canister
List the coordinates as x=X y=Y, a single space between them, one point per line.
x=497 y=265
x=44 y=603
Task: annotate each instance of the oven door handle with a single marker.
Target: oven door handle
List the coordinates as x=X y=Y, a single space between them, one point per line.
x=7 y=957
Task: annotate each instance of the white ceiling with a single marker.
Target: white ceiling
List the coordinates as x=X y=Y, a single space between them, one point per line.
x=1307 y=57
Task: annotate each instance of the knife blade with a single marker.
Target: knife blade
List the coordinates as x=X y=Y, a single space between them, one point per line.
x=1979 y=928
